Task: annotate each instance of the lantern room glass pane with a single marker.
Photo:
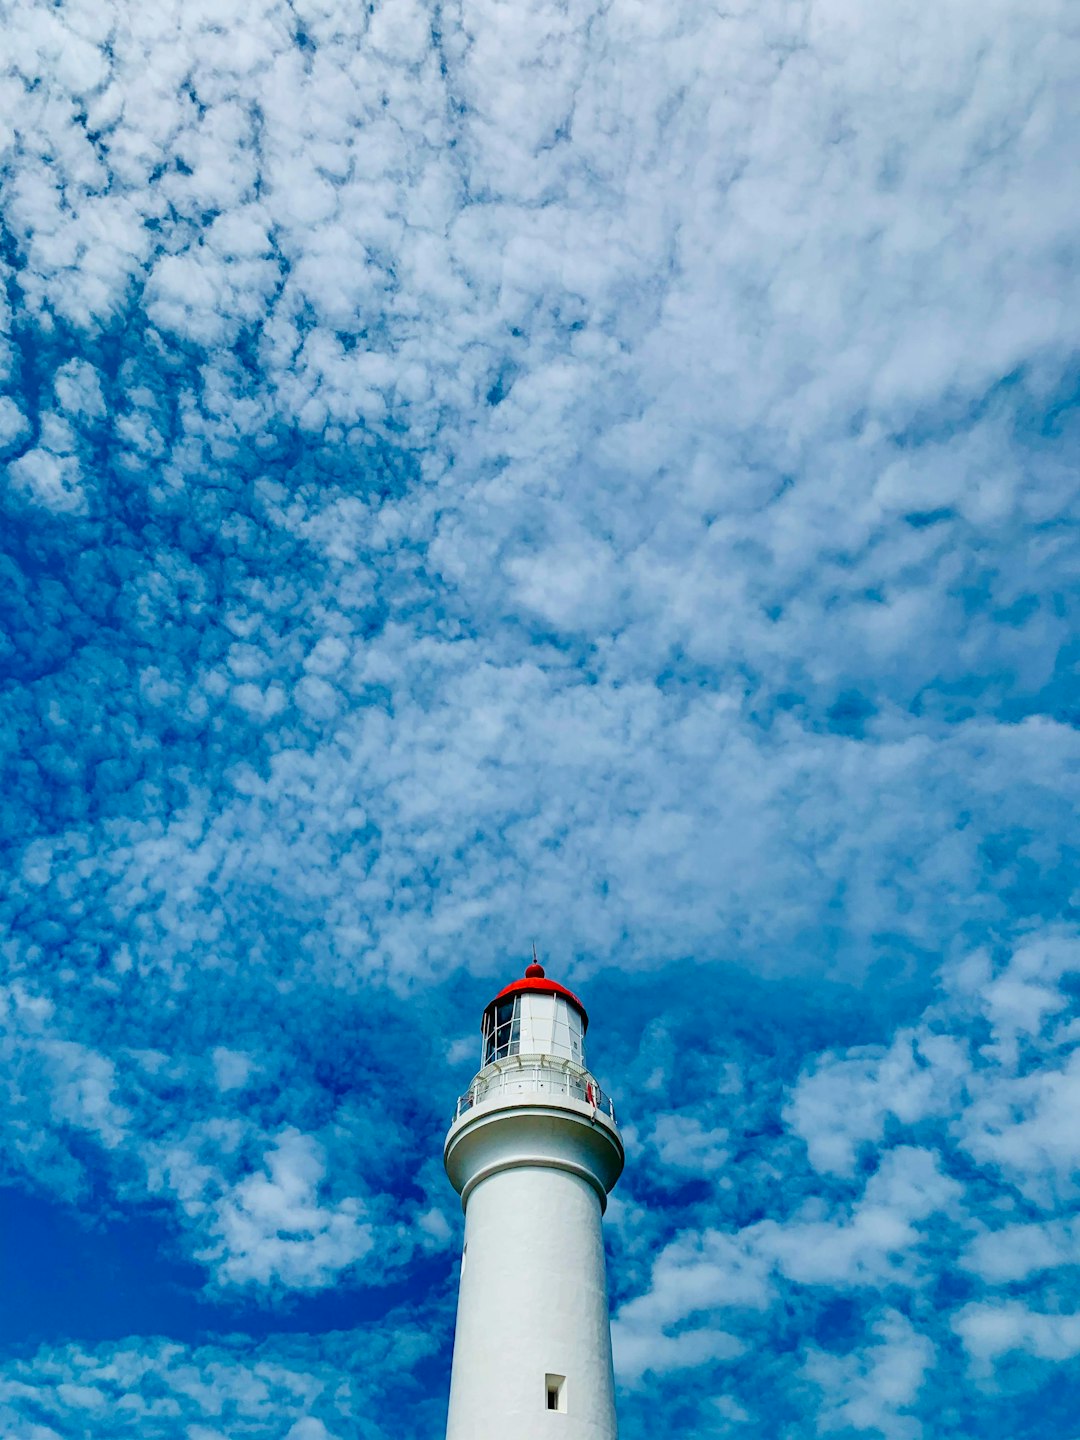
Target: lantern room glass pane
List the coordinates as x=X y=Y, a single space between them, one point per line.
x=502 y=1030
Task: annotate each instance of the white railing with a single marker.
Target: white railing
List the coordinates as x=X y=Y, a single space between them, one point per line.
x=546 y=1077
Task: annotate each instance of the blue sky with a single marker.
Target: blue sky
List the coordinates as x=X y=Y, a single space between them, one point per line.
x=600 y=474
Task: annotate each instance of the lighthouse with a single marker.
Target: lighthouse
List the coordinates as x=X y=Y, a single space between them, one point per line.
x=533 y=1151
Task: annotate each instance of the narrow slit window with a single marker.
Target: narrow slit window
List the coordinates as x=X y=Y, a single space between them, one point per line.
x=555 y=1389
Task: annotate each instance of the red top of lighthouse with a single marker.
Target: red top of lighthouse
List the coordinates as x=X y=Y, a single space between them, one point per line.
x=536 y=982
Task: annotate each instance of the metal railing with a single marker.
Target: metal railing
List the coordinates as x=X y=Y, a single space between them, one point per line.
x=525 y=1077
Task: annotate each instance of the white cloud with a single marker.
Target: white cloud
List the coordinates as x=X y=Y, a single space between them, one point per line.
x=693 y=1277
x=54 y=481
x=875 y=1389
x=55 y=1086
x=879 y=1242
x=271 y=1224
x=683 y=1143
x=638 y=1354
x=13 y=423
x=1016 y=1252
x=991 y=1330
x=77 y=388
x=232 y=1068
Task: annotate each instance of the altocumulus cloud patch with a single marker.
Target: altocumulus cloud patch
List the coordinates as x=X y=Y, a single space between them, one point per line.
x=577 y=471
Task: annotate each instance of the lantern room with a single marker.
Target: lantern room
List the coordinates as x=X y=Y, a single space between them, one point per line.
x=535 y=1016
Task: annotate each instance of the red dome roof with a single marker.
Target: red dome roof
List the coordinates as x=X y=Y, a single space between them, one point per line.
x=537 y=983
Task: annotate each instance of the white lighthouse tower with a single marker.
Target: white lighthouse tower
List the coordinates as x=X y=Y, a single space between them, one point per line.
x=533 y=1152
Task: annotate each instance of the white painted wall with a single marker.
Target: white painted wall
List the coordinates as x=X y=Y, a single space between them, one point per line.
x=550 y=1025
x=533 y=1299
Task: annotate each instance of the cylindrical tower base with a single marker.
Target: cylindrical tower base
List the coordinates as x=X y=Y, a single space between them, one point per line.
x=532 y=1313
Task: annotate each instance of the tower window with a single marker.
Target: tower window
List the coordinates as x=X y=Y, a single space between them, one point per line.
x=555 y=1389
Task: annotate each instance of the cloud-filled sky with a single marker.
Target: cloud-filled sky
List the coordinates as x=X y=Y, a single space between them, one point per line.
x=496 y=470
